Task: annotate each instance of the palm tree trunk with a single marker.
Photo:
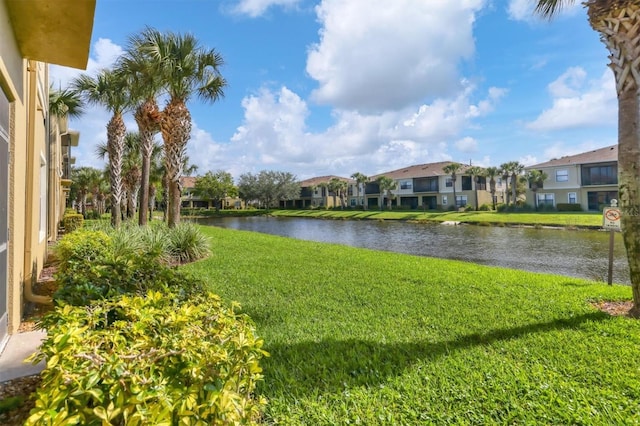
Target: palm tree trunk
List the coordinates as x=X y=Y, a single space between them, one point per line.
x=148 y=118
x=176 y=130
x=619 y=28
x=116 y=131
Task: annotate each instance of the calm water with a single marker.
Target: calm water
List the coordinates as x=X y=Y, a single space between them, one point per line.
x=581 y=254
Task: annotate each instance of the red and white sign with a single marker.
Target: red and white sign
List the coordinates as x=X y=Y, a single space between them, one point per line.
x=611 y=218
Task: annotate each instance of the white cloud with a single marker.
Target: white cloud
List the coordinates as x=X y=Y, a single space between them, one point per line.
x=255 y=8
x=569 y=83
x=376 y=55
x=523 y=10
x=467 y=145
x=528 y=160
x=587 y=104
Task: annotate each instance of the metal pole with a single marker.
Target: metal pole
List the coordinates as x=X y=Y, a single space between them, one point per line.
x=610 y=272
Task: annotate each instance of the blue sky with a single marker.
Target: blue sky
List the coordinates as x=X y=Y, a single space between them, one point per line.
x=334 y=87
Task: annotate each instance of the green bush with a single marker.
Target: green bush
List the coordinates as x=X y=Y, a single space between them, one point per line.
x=485 y=207
x=82 y=246
x=72 y=221
x=187 y=243
x=82 y=283
x=566 y=207
x=149 y=360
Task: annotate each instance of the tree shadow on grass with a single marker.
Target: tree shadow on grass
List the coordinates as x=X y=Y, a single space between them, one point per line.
x=332 y=365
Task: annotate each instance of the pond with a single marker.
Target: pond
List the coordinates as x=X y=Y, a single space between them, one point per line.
x=577 y=253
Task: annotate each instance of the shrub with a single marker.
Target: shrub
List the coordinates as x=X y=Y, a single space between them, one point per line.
x=187 y=243
x=149 y=360
x=83 y=283
x=82 y=246
x=72 y=221
x=485 y=207
x=566 y=207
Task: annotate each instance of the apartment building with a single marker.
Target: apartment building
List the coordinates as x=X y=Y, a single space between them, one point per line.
x=33 y=146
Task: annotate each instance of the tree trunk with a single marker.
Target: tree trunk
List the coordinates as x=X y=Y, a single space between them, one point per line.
x=173 y=209
x=618 y=24
x=116 y=131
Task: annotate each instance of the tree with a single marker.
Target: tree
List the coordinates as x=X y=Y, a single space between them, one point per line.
x=506 y=170
x=109 y=90
x=339 y=189
x=491 y=173
x=215 y=187
x=186 y=69
x=476 y=173
x=269 y=187
x=386 y=185
x=139 y=66
x=84 y=180
x=452 y=169
x=361 y=181
x=65 y=104
x=536 y=179
x=516 y=171
x=618 y=23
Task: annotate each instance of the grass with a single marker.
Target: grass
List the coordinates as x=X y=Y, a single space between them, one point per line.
x=364 y=337
x=566 y=219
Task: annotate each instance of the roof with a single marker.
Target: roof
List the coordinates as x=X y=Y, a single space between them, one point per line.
x=601 y=155
x=322 y=179
x=420 y=170
x=188 y=181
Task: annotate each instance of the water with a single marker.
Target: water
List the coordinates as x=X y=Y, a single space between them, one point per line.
x=582 y=254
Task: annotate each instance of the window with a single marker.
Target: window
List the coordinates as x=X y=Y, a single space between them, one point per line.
x=461 y=200
x=448 y=182
x=562 y=175
x=466 y=183
x=546 y=199
x=445 y=201
x=406 y=184
x=572 y=198
x=600 y=175
x=426 y=184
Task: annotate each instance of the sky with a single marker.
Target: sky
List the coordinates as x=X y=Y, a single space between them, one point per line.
x=335 y=87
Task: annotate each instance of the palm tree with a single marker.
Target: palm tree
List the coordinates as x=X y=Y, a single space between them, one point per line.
x=476 y=173
x=387 y=185
x=324 y=193
x=144 y=84
x=505 y=171
x=617 y=22
x=361 y=181
x=491 y=173
x=536 y=180
x=452 y=169
x=109 y=90
x=65 y=104
x=516 y=171
x=187 y=69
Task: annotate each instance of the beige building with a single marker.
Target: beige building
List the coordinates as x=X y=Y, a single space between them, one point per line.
x=32 y=35
x=314 y=192
x=589 y=179
x=428 y=186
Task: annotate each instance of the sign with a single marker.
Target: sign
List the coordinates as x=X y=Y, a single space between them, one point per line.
x=611 y=218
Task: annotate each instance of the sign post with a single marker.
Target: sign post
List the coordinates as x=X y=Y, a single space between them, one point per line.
x=611 y=221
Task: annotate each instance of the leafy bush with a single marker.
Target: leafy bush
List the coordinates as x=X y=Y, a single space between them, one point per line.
x=82 y=246
x=83 y=283
x=149 y=360
x=187 y=243
x=566 y=207
x=72 y=221
x=485 y=207
x=92 y=215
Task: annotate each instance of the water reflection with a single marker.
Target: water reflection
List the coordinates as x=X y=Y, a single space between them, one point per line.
x=581 y=254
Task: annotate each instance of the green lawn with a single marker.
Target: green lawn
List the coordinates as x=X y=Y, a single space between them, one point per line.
x=364 y=337
x=569 y=219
